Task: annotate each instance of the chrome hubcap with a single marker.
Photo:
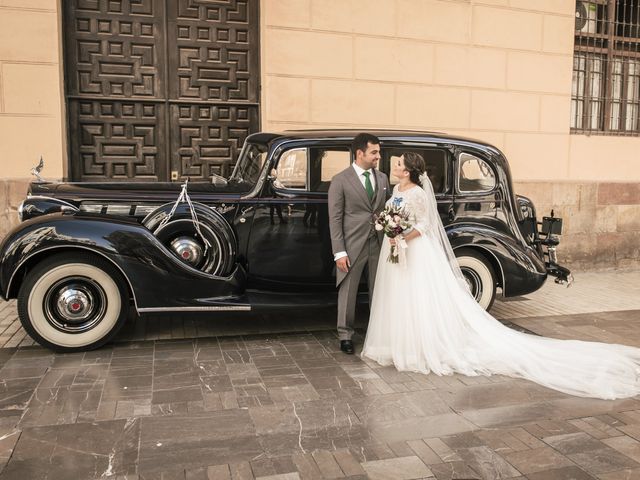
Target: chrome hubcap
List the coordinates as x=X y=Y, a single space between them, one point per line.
x=187 y=249
x=75 y=305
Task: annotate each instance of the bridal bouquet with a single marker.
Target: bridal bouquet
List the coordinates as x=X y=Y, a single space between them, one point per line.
x=392 y=221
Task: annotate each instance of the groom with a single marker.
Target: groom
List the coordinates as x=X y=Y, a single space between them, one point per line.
x=355 y=195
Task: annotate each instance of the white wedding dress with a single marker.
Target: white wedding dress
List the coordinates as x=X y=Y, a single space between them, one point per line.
x=423 y=319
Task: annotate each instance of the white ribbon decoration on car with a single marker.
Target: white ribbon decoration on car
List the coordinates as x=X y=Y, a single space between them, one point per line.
x=184 y=197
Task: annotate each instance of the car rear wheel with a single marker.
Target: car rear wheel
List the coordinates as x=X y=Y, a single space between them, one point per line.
x=73 y=302
x=479 y=274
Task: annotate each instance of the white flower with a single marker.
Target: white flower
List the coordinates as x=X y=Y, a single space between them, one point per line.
x=379 y=227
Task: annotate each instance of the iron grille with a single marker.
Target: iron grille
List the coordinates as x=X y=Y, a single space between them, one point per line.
x=605 y=96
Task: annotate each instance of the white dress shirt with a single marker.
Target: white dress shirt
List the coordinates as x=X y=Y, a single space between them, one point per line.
x=359 y=171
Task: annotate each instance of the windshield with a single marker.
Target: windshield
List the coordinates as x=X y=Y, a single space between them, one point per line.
x=250 y=163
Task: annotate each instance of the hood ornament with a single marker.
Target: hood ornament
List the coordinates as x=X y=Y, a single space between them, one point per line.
x=35 y=171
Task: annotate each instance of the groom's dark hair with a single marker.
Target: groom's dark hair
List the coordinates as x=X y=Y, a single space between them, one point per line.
x=362 y=141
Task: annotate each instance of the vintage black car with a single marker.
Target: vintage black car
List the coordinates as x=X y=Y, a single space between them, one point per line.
x=86 y=251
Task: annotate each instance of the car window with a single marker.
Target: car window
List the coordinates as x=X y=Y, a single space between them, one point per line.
x=325 y=162
x=474 y=174
x=291 y=171
x=436 y=160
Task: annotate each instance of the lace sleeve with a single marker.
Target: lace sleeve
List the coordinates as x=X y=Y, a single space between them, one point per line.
x=420 y=211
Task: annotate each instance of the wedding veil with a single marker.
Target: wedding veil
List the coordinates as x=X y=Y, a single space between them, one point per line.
x=438 y=233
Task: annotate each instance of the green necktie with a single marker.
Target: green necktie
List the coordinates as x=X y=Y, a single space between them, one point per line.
x=367 y=185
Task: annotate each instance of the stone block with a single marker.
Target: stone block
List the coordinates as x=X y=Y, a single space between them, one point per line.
x=29 y=36
x=619 y=194
x=16 y=192
x=372 y=17
x=497 y=27
x=529 y=162
x=580 y=220
x=588 y=194
x=308 y=53
x=612 y=248
x=19 y=152
x=554 y=112
x=287 y=13
x=557 y=36
x=466 y=66
x=495 y=110
x=606 y=219
x=546 y=6
x=51 y=5
x=628 y=218
x=348 y=102
x=566 y=193
x=539 y=72
x=604 y=158
x=541 y=193
x=393 y=60
x=287 y=99
x=31 y=88
x=577 y=249
x=434 y=20
x=432 y=107
x=4 y=197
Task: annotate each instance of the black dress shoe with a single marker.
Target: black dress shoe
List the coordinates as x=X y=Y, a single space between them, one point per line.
x=347 y=346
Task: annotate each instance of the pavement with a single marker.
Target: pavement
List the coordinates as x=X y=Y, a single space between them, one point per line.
x=244 y=396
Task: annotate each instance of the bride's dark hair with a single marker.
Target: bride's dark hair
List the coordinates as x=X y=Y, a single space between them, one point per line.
x=415 y=165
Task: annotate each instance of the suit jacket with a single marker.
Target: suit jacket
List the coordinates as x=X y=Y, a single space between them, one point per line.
x=351 y=212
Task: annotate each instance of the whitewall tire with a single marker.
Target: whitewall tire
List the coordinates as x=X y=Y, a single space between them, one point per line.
x=479 y=274
x=73 y=302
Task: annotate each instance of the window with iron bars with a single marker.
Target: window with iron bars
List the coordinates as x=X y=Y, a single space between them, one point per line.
x=605 y=96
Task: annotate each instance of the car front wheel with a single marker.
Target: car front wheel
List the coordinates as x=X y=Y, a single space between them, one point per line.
x=73 y=302
x=479 y=275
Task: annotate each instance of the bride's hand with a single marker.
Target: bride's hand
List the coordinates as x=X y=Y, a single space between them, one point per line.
x=392 y=241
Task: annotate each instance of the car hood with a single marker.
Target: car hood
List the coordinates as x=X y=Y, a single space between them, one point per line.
x=76 y=192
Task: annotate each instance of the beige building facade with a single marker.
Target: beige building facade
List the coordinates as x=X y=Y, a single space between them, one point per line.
x=495 y=70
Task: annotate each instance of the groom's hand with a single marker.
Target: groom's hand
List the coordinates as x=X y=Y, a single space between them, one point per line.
x=343 y=264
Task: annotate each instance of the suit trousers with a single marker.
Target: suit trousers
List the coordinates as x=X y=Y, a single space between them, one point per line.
x=348 y=288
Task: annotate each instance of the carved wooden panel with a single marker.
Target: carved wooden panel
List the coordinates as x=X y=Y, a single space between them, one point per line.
x=118 y=140
x=159 y=85
x=214 y=56
x=115 y=48
x=208 y=137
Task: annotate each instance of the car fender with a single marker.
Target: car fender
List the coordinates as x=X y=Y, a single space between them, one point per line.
x=517 y=263
x=155 y=276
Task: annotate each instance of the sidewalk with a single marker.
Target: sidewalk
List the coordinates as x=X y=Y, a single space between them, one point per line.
x=591 y=292
x=243 y=397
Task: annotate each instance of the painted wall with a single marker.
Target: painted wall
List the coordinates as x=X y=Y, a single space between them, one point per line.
x=497 y=70
x=31 y=116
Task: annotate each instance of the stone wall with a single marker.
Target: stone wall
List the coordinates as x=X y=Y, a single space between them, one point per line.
x=12 y=192
x=601 y=221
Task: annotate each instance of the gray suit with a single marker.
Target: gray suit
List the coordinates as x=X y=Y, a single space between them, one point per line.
x=351 y=223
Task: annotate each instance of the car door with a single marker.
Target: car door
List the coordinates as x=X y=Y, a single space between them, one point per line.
x=478 y=197
x=439 y=165
x=290 y=246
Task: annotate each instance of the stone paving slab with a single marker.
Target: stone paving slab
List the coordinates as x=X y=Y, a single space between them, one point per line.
x=271 y=396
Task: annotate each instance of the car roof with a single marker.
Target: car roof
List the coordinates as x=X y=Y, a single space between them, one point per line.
x=383 y=134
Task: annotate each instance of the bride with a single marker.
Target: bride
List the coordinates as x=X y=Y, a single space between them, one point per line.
x=423 y=318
